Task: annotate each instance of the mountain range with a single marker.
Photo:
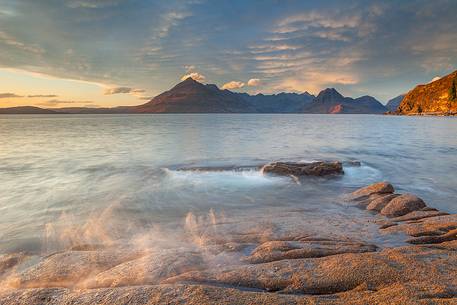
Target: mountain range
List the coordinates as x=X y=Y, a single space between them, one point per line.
x=191 y=96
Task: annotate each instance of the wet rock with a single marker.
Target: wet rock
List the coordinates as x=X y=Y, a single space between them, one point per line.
x=416 y=215
x=448 y=236
x=278 y=250
x=379 y=203
x=337 y=273
x=402 y=205
x=66 y=269
x=376 y=188
x=149 y=269
x=304 y=169
x=431 y=226
x=152 y=295
x=8 y=261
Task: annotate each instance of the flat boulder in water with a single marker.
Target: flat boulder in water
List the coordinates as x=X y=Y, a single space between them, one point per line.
x=304 y=169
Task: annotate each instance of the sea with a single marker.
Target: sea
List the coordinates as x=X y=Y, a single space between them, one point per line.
x=69 y=180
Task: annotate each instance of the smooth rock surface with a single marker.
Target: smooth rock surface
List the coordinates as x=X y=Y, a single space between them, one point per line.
x=402 y=205
x=376 y=188
x=278 y=250
x=379 y=203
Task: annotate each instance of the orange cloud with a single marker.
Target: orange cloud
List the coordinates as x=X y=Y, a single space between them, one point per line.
x=233 y=85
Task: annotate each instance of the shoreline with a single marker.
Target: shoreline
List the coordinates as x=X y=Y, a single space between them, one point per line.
x=263 y=265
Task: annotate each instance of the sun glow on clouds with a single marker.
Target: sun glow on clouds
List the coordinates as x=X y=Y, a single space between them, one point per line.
x=233 y=85
x=195 y=76
x=33 y=88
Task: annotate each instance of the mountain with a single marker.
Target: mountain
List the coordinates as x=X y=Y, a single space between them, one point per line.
x=190 y=96
x=279 y=103
x=331 y=101
x=437 y=98
x=26 y=110
x=392 y=105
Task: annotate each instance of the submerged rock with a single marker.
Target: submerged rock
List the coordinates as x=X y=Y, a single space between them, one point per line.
x=402 y=205
x=304 y=169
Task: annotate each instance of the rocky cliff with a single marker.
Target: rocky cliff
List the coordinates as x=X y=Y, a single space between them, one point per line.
x=435 y=98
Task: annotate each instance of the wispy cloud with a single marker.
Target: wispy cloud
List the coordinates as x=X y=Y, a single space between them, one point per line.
x=9 y=95
x=58 y=103
x=41 y=95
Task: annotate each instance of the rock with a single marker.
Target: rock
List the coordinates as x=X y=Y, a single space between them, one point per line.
x=278 y=250
x=416 y=215
x=149 y=269
x=337 y=273
x=376 y=188
x=379 y=203
x=66 y=269
x=431 y=226
x=149 y=295
x=402 y=205
x=9 y=261
x=304 y=169
x=449 y=236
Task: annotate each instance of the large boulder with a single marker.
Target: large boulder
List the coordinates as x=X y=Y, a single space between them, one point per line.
x=376 y=188
x=304 y=169
x=402 y=205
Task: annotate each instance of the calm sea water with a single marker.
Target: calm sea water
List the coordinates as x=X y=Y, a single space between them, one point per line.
x=117 y=174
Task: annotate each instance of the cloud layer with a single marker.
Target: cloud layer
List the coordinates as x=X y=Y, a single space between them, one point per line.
x=361 y=47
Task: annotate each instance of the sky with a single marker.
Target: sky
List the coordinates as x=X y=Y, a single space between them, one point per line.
x=104 y=53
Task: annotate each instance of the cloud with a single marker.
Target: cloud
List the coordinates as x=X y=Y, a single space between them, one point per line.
x=195 y=76
x=254 y=82
x=119 y=90
x=9 y=40
x=315 y=81
x=9 y=95
x=41 y=95
x=233 y=85
x=92 y=4
x=435 y=79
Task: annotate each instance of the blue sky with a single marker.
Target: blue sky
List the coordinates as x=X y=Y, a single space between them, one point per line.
x=122 y=52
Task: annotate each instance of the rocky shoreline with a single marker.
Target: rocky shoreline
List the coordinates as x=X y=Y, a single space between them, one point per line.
x=260 y=266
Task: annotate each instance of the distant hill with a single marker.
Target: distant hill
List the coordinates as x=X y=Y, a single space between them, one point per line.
x=190 y=96
x=279 y=103
x=26 y=110
x=392 y=105
x=332 y=102
x=435 y=98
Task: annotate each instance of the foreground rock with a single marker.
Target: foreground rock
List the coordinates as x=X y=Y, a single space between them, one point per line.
x=268 y=265
x=304 y=169
x=402 y=205
x=376 y=190
x=338 y=273
x=278 y=250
